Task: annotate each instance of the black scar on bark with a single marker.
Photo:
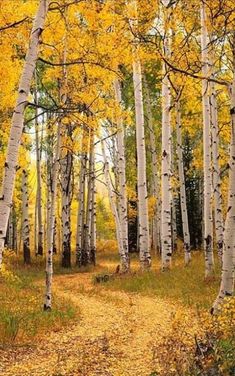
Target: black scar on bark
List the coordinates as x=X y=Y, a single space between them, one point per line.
x=46 y=308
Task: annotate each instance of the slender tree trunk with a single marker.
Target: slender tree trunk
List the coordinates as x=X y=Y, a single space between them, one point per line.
x=121 y=163
x=143 y=220
x=219 y=227
x=208 y=220
x=154 y=168
x=18 y=120
x=81 y=206
x=66 y=164
x=228 y=257
x=93 y=204
x=166 y=235
x=87 y=225
x=183 y=199
x=36 y=225
x=111 y=193
x=25 y=218
x=93 y=215
x=39 y=183
x=50 y=239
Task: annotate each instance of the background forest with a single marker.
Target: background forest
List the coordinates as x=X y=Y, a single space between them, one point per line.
x=117 y=168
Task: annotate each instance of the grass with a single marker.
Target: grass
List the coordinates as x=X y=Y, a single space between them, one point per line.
x=21 y=304
x=184 y=284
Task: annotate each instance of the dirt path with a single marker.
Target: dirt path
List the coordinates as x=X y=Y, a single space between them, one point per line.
x=112 y=335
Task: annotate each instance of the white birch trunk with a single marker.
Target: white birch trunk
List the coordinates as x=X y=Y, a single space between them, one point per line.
x=111 y=193
x=154 y=167
x=66 y=180
x=143 y=220
x=166 y=220
x=228 y=257
x=25 y=218
x=81 y=207
x=121 y=162
x=208 y=220
x=219 y=227
x=17 y=121
x=93 y=208
x=50 y=239
x=39 y=250
x=87 y=229
x=183 y=198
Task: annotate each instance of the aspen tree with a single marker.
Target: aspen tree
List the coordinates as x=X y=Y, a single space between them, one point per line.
x=39 y=250
x=87 y=224
x=208 y=220
x=183 y=198
x=18 y=119
x=228 y=257
x=50 y=239
x=81 y=205
x=66 y=165
x=219 y=228
x=111 y=193
x=121 y=163
x=93 y=203
x=154 y=168
x=25 y=218
x=166 y=220
x=143 y=220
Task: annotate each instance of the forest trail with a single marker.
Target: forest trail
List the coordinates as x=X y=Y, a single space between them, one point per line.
x=113 y=334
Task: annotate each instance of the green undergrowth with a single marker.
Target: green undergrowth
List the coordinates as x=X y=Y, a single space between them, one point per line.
x=21 y=304
x=184 y=284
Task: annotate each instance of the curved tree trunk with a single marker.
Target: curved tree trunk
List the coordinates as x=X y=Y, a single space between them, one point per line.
x=18 y=120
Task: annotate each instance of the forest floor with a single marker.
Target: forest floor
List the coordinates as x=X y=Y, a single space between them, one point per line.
x=119 y=328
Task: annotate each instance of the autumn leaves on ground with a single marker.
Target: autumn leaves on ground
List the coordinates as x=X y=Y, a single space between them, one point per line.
x=141 y=324
x=117 y=175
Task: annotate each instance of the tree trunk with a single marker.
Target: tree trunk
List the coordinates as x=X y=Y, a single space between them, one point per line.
x=143 y=220
x=81 y=207
x=50 y=239
x=121 y=163
x=183 y=199
x=18 y=120
x=166 y=235
x=93 y=207
x=39 y=183
x=66 y=164
x=111 y=193
x=219 y=227
x=154 y=169
x=228 y=257
x=25 y=218
x=208 y=220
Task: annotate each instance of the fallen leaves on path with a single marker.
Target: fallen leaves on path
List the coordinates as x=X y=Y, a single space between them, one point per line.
x=113 y=334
